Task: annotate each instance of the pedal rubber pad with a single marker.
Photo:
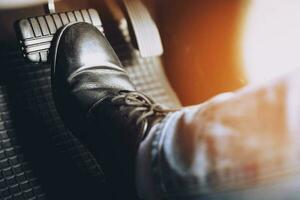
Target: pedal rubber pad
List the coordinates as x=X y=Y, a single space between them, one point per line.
x=36 y=33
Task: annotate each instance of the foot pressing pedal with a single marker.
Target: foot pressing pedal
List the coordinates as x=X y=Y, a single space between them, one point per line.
x=36 y=33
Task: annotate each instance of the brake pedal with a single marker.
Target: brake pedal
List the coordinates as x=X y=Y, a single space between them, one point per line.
x=36 y=33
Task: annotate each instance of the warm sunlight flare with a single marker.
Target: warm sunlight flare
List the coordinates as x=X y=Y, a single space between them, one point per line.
x=271 y=41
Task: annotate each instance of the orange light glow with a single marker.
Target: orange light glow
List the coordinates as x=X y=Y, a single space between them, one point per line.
x=271 y=41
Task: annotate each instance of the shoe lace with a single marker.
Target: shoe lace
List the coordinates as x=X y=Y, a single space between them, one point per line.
x=145 y=105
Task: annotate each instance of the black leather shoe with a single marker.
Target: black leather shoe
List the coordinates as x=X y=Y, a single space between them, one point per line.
x=98 y=102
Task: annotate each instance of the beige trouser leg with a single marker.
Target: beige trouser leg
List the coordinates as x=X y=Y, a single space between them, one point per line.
x=243 y=139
